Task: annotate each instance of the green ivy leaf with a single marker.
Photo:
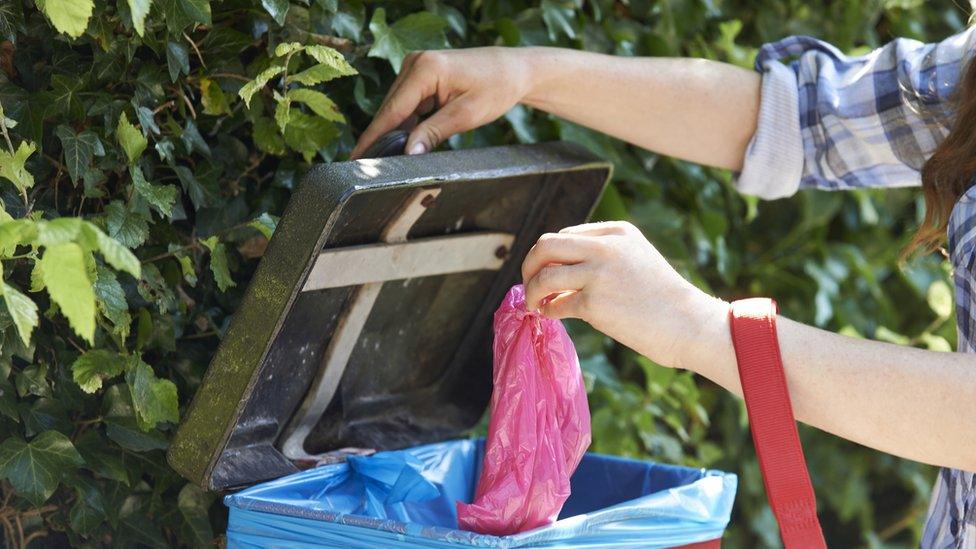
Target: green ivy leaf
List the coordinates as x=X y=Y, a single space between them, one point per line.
x=282 y=111
x=66 y=278
x=160 y=197
x=46 y=414
x=939 y=297
x=287 y=48
x=36 y=468
x=318 y=102
x=349 y=19
x=212 y=97
x=218 y=263
x=180 y=13
x=193 y=504
x=331 y=64
x=129 y=228
x=88 y=512
x=418 y=31
x=189 y=271
x=111 y=300
x=12 y=233
x=308 y=134
x=177 y=60
x=198 y=10
x=58 y=231
x=329 y=56
x=199 y=195
x=32 y=380
x=266 y=137
x=79 y=149
x=315 y=74
x=277 y=8
x=93 y=367
x=153 y=399
x=13 y=166
x=260 y=81
x=935 y=343
x=68 y=16
x=112 y=250
x=192 y=139
x=131 y=139
x=559 y=16
x=147 y=119
x=102 y=457
x=139 y=10
x=22 y=310
x=265 y=223
x=120 y=422
x=8 y=400
x=37 y=279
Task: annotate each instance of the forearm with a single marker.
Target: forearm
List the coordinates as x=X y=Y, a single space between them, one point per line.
x=694 y=109
x=905 y=401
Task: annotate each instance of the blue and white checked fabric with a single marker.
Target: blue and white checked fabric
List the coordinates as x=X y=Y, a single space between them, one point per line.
x=836 y=122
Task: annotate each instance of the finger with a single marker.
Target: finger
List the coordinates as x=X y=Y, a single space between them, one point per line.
x=554 y=279
x=564 y=249
x=400 y=104
x=567 y=305
x=405 y=74
x=457 y=115
x=409 y=61
x=425 y=107
x=600 y=228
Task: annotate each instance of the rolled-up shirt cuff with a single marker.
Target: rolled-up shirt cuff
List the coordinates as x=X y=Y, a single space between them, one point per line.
x=773 y=163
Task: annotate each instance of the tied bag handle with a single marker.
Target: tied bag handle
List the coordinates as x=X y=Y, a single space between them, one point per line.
x=784 y=470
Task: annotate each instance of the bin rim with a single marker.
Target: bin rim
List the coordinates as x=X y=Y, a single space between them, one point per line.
x=719 y=484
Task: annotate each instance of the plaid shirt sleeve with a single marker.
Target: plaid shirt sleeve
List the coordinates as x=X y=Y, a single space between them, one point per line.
x=836 y=122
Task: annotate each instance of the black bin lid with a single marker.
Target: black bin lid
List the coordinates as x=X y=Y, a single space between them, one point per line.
x=367 y=323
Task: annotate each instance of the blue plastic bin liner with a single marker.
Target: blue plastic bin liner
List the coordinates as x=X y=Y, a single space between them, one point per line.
x=406 y=499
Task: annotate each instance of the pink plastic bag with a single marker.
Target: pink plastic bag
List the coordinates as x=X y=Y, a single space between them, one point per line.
x=539 y=427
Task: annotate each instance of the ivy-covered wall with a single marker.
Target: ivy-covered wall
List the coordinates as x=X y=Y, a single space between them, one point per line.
x=148 y=147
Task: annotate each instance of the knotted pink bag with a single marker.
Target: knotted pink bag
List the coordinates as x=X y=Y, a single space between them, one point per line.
x=539 y=427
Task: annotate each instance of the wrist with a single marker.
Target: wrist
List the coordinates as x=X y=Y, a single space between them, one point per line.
x=713 y=354
x=707 y=332
x=537 y=63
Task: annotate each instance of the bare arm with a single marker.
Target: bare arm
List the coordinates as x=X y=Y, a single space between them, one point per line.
x=905 y=401
x=697 y=110
x=694 y=109
x=908 y=402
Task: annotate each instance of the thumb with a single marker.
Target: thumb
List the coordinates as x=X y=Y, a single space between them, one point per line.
x=455 y=117
x=564 y=305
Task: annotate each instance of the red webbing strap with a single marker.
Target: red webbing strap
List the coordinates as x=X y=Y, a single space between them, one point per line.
x=784 y=470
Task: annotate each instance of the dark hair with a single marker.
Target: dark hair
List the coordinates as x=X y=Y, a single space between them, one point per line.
x=949 y=172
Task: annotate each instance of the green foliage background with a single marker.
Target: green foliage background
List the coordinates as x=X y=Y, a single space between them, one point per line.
x=139 y=189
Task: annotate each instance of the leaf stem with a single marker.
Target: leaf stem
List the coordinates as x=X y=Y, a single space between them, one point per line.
x=230 y=75
x=195 y=48
x=164 y=106
x=193 y=112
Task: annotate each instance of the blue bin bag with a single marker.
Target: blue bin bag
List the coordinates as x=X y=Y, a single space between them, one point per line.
x=406 y=499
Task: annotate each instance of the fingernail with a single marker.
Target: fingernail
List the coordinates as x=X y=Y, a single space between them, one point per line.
x=418 y=148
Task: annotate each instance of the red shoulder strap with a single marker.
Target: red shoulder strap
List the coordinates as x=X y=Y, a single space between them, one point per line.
x=784 y=470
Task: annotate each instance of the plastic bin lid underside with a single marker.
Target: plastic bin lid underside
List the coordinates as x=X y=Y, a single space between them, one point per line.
x=418 y=367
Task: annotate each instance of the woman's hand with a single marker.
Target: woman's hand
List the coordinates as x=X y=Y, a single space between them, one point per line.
x=609 y=275
x=467 y=88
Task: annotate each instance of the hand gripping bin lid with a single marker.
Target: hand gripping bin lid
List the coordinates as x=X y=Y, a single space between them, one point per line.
x=367 y=324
